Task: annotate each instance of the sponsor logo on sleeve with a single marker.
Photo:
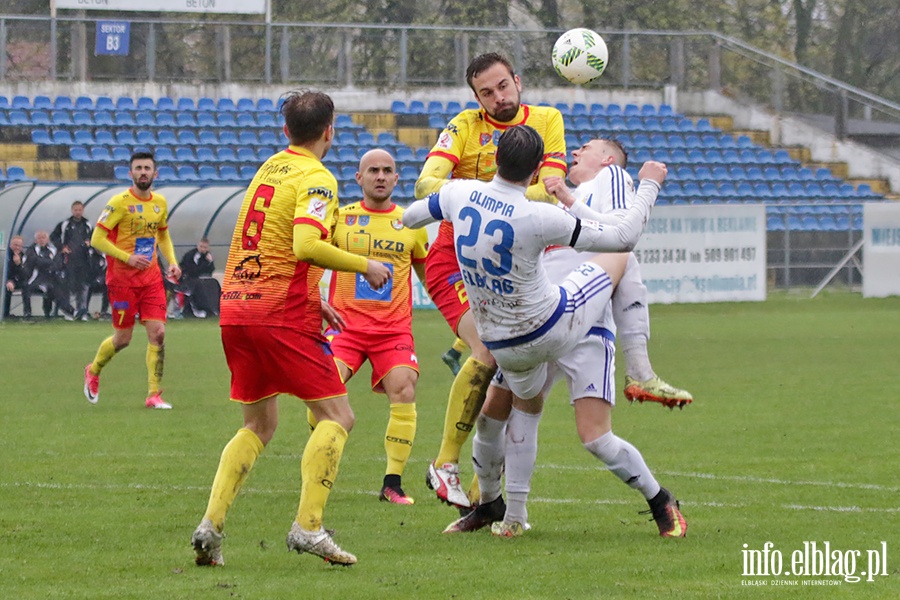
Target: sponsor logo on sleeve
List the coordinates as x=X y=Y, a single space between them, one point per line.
x=444 y=140
x=317 y=208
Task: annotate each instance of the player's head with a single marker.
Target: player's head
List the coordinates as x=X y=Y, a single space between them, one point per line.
x=520 y=152
x=203 y=245
x=142 y=170
x=377 y=175
x=308 y=118
x=78 y=209
x=496 y=86
x=588 y=160
x=16 y=243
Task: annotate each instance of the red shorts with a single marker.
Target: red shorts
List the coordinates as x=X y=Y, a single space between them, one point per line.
x=385 y=350
x=266 y=361
x=446 y=287
x=149 y=301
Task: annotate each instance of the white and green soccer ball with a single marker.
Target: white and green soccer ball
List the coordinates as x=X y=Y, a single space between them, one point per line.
x=580 y=55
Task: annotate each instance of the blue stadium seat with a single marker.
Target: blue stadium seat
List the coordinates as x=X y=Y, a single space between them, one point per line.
x=185 y=119
x=164 y=154
x=120 y=172
x=63 y=103
x=82 y=137
x=754 y=173
x=229 y=173
x=124 y=118
x=104 y=119
x=346 y=173
x=20 y=103
x=185 y=154
x=246 y=154
x=762 y=191
x=744 y=141
x=185 y=137
x=185 y=104
x=246 y=120
x=144 y=119
x=806 y=174
x=398 y=107
x=248 y=138
x=268 y=120
x=104 y=103
x=702 y=172
x=269 y=138
x=145 y=103
x=62 y=137
x=206 y=105
x=263 y=153
x=146 y=137
x=61 y=118
x=775 y=223
x=579 y=109
x=347 y=154
x=125 y=103
x=208 y=173
x=104 y=137
x=248 y=172
x=435 y=107
x=40 y=118
x=42 y=103
x=82 y=118
x=166 y=119
x=187 y=173
x=205 y=154
x=744 y=190
x=351 y=191
x=265 y=105
x=597 y=110
x=101 y=153
x=714 y=157
x=686 y=125
x=41 y=137
x=84 y=103
x=16 y=173
x=121 y=154
x=779 y=190
x=824 y=174
x=784 y=157
x=365 y=139
x=165 y=104
x=678 y=156
x=125 y=137
x=814 y=189
x=730 y=156
x=417 y=107
x=245 y=105
x=79 y=153
x=228 y=137
x=613 y=110
x=346 y=138
x=166 y=173
x=206 y=120
x=207 y=137
x=167 y=137
x=705 y=125
x=224 y=119
x=226 y=154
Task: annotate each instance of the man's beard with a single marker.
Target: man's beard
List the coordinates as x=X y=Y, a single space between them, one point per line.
x=143 y=185
x=507 y=114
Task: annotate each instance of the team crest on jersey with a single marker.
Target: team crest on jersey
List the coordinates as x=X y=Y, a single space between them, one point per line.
x=397 y=224
x=155 y=209
x=496 y=136
x=317 y=208
x=135 y=208
x=364 y=220
x=350 y=220
x=444 y=140
x=484 y=139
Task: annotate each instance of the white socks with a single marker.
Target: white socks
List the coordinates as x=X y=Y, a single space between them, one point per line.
x=632 y=316
x=625 y=461
x=488 y=456
x=521 y=454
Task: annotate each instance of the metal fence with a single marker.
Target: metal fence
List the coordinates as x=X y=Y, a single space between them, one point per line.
x=357 y=55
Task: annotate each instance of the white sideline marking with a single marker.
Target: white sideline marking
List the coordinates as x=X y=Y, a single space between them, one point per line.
x=538 y=499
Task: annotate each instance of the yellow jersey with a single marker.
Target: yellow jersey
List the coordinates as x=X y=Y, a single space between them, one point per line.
x=132 y=225
x=378 y=235
x=265 y=283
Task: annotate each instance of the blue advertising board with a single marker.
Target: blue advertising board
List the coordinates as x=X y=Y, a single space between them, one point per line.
x=112 y=38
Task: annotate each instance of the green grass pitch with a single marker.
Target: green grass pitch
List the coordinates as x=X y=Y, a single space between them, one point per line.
x=793 y=438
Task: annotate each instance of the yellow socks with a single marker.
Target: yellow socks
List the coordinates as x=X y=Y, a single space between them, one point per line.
x=398 y=439
x=319 y=468
x=460 y=346
x=234 y=466
x=466 y=397
x=104 y=354
x=156 y=357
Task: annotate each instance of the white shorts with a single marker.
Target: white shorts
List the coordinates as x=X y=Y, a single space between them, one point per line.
x=589 y=369
x=587 y=291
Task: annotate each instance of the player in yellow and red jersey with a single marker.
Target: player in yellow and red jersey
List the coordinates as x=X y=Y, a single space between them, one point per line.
x=378 y=323
x=466 y=149
x=271 y=317
x=132 y=229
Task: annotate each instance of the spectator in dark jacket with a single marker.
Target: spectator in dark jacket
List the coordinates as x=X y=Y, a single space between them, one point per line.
x=15 y=270
x=196 y=264
x=72 y=238
x=43 y=265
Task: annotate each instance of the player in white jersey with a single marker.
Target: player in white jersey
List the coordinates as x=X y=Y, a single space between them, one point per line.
x=500 y=237
x=590 y=373
x=598 y=169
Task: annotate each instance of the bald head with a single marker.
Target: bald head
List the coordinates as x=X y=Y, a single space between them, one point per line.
x=377 y=176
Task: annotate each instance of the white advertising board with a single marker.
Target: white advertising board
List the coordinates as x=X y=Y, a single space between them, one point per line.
x=881 y=250
x=711 y=253
x=245 y=7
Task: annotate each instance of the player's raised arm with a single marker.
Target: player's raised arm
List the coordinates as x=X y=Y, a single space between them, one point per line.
x=422 y=212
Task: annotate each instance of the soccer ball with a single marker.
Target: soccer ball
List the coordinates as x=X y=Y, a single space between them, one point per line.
x=580 y=55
